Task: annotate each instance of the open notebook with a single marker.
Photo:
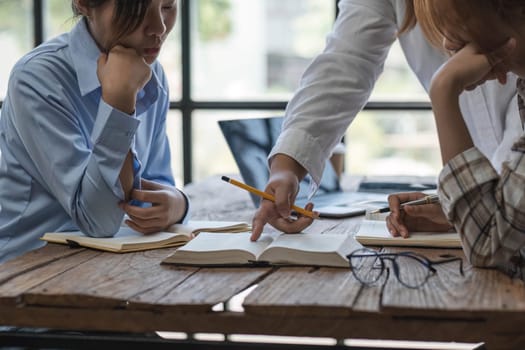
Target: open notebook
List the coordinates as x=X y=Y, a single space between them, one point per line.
x=128 y=240
x=375 y=232
x=251 y=140
x=302 y=249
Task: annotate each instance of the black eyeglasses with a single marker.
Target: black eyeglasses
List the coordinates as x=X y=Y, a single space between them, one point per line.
x=368 y=265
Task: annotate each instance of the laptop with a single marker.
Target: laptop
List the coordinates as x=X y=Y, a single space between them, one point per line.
x=251 y=140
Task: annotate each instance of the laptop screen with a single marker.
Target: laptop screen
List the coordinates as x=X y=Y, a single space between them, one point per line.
x=251 y=140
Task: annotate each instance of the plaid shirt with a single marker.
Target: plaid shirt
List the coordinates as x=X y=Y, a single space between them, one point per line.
x=487 y=209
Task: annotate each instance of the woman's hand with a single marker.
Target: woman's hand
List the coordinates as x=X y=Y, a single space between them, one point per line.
x=122 y=74
x=168 y=206
x=414 y=218
x=469 y=67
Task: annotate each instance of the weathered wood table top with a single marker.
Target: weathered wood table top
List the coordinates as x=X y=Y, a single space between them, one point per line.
x=84 y=289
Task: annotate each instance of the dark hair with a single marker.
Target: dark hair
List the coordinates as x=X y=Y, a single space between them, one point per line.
x=128 y=14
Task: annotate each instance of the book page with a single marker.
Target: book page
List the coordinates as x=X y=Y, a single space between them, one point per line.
x=310 y=249
x=220 y=248
x=196 y=226
x=375 y=232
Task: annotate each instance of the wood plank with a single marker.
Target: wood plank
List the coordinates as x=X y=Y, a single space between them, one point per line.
x=306 y=291
x=200 y=291
x=35 y=259
x=214 y=199
x=110 y=280
x=13 y=290
x=448 y=292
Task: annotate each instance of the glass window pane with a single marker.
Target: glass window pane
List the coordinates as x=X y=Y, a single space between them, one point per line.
x=211 y=155
x=398 y=82
x=58 y=18
x=16 y=36
x=239 y=50
x=170 y=57
x=174 y=131
x=393 y=143
x=377 y=143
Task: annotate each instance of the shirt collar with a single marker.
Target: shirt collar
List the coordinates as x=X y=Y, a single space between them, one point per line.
x=85 y=54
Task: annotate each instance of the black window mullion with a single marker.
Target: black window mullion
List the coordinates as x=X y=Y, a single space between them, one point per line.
x=38 y=22
x=186 y=104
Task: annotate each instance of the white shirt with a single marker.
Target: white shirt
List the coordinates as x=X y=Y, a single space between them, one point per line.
x=339 y=81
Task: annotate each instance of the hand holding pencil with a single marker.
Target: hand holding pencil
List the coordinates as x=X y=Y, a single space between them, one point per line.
x=269 y=197
x=272 y=210
x=414 y=212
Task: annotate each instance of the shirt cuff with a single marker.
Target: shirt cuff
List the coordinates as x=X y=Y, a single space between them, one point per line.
x=186 y=217
x=464 y=173
x=307 y=152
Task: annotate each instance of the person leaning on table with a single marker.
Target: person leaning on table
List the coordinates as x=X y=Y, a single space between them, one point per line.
x=337 y=85
x=83 y=129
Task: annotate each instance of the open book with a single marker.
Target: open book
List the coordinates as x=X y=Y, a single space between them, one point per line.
x=374 y=232
x=209 y=249
x=129 y=240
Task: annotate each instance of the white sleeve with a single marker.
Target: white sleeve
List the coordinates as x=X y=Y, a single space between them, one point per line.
x=338 y=82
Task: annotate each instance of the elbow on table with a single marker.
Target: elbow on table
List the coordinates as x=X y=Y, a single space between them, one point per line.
x=100 y=227
x=487 y=258
x=482 y=262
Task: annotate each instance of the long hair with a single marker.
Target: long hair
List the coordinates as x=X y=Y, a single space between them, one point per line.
x=128 y=14
x=465 y=18
x=410 y=19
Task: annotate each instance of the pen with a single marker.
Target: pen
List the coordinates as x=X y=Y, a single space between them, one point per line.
x=433 y=198
x=268 y=196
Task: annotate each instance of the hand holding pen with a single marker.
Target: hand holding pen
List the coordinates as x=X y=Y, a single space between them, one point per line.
x=430 y=199
x=413 y=212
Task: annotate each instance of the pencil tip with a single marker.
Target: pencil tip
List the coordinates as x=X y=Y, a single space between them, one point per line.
x=225 y=178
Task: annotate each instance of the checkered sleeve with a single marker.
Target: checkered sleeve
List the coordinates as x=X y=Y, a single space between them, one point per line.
x=487 y=209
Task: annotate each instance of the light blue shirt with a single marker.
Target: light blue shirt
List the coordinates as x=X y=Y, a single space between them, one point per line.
x=62 y=147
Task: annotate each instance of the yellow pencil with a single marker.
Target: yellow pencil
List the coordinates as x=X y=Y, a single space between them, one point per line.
x=269 y=197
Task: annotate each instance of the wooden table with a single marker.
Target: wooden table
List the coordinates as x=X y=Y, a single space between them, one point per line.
x=63 y=288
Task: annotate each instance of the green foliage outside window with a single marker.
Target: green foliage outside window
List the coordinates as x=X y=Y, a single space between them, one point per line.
x=15 y=20
x=215 y=21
